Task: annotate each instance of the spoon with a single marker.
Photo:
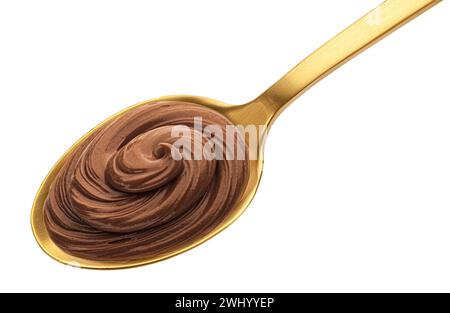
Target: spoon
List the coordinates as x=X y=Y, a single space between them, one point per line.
x=378 y=23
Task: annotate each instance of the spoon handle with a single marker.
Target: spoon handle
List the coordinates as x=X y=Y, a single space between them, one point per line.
x=378 y=23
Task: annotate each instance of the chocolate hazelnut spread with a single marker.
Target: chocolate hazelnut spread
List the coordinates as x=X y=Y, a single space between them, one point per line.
x=121 y=194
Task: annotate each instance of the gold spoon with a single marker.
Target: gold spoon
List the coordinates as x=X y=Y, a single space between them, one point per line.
x=386 y=18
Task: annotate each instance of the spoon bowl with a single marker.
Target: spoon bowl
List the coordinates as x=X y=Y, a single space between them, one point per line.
x=262 y=111
x=237 y=114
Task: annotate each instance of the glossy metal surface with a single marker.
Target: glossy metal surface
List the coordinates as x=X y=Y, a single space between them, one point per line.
x=262 y=111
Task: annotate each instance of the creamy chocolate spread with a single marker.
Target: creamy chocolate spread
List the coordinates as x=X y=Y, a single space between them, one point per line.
x=121 y=195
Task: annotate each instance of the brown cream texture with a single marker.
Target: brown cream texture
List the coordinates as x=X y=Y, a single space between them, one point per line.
x=122 y=196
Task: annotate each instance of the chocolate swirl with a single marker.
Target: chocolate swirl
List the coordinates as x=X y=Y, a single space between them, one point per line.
x=125 y=194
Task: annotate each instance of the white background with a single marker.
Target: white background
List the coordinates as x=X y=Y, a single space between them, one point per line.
x=355 y=194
